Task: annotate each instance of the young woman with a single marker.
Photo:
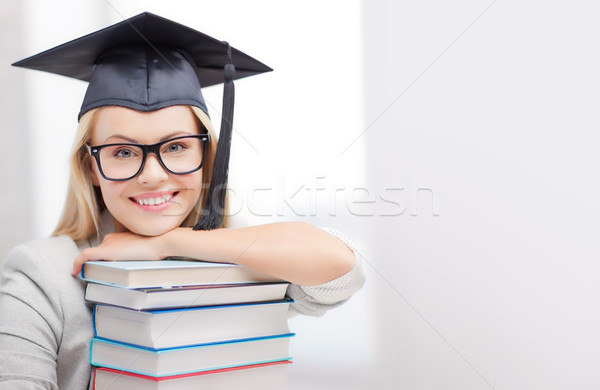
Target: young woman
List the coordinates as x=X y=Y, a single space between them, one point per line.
x=139 y=178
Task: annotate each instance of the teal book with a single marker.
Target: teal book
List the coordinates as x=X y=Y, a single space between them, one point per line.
x=168 y=273
x=189 y=359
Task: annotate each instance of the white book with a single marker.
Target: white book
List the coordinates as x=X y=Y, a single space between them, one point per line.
x=272 y=376
x=186 y=296
x=159 y=329
x=166 y=273
x=190 y=359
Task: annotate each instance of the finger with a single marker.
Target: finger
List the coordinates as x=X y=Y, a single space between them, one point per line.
x=85 y=255
x=77 y=264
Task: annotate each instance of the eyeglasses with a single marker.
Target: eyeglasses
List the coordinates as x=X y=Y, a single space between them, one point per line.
x=124 y=161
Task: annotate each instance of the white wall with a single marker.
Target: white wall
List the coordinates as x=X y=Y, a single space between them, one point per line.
x=52 y=102
x=496 y=116
x=15 y=161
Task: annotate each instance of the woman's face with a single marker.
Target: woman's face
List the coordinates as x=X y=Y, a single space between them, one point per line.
x=156 y=200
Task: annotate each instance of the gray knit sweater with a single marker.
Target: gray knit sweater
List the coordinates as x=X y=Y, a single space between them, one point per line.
x=46 y=326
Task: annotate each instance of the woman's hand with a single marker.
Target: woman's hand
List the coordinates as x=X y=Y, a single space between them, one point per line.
x=121 y=246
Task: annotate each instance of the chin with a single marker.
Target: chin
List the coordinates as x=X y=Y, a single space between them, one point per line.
x=152 y=229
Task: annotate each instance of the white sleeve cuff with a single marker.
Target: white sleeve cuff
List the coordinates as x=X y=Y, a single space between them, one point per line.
x=316 y=300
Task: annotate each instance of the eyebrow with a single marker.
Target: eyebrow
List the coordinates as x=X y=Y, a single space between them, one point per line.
x=134 y=141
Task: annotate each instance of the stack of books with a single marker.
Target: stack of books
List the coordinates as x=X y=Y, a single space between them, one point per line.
x=177 y=324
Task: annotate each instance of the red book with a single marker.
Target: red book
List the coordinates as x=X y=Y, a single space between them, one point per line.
x=271 y=376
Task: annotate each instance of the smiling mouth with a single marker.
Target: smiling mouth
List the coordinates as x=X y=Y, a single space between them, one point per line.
x=154 y=200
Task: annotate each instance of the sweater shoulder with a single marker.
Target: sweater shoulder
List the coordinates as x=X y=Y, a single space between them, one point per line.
x=47 y=253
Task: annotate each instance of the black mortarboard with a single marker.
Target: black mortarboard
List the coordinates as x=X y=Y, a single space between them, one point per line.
x=147 y=63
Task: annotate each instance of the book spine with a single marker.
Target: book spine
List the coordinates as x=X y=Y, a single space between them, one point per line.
x=94 y=319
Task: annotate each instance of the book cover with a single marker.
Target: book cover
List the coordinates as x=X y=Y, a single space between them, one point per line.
x=165 y=273
x=189 y=359
x=184 y=296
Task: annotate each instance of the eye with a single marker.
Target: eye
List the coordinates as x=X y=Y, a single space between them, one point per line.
x=175 y=147
x=124 y=153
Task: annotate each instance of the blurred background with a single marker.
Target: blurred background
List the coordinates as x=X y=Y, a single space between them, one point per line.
x=454 y=142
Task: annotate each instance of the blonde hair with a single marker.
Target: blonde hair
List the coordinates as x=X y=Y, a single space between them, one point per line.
x=80 y=217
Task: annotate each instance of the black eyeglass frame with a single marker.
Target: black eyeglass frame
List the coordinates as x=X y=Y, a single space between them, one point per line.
x=94 y=151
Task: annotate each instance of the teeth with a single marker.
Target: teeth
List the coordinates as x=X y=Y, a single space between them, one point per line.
x=154 y=201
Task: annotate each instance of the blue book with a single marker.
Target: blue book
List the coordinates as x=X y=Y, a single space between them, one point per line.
x=189 y=359
x=159 y=329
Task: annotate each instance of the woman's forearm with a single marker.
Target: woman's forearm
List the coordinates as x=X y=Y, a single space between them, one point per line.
x=294 y=251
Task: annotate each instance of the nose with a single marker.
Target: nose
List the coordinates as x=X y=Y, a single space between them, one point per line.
x=153 y=172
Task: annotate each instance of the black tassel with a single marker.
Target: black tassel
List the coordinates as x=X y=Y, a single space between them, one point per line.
x=214 y=207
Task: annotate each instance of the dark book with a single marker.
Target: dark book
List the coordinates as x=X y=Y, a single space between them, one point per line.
x=184 y=296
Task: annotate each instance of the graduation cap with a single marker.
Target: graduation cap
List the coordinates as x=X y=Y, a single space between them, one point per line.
x=147 y=63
